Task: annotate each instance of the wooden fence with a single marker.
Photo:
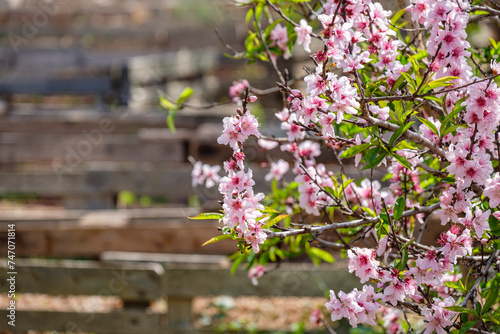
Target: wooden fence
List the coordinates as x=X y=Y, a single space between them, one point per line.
x=72 y=233
x=86 y=159
x=138 y=284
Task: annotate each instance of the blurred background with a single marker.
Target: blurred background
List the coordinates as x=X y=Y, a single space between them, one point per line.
x=93 y=183
x=97 y=190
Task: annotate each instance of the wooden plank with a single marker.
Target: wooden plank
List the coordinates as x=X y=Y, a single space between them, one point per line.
x=81 y=233
x=48 y=86
x=122 y=322
x=121 y=121
x=43 y=219
x=130 y=282
x=191 y=260
x=174 y=183
x=70 y=153
x=93 y=241
x=92 y=145
x=301 y=281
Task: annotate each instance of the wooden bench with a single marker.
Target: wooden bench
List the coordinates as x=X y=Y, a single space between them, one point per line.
x=137 y=284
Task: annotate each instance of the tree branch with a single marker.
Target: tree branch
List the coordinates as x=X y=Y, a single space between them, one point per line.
x=354 y=223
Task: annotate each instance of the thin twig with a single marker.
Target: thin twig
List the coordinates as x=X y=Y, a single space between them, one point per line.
x=354 y=223
x=268 y=52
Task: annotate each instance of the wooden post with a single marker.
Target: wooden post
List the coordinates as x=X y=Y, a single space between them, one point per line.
x=179 y=312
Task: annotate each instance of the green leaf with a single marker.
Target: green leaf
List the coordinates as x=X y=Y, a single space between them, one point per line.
x=461 y=309
x=452 y=128
x=354 y=150
x=402 y=264
x=399 y=208
x=481 y=12
x=249 y=15
x=491 y=318
x=494 y=226
x=218 y=238
x=346 y=183
x=258 y=11
x=171 y=120
x=399 y=132
x=458 y=108
x=402 y=160
x=493 y=43
x=166 y=104
x=403 y=145
x=441 y=82
x=399 y=81
x=236 y=263
x=479 y=307
x=433 y=98
x=268 y=209
x=376 y=160
x=398 y=15
x=492 y=298
x=368 y=211
x=416 y=68
x=275 y=220
x=185 y=94
x=126 y=198
x=466 y=326
x=322 y=254
x=207 y=215
x=455 y=285
x=421 y=55
x=430 y=125
x=410 y=81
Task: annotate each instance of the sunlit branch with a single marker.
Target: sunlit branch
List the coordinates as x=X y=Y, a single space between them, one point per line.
x=354 y=223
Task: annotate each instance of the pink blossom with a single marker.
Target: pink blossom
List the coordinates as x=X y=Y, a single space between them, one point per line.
x=255 y=236
x=278 y=169
x=267 y=144
x=492 y=191
x=381 y=113
x=362 y=262
x=447 y=213
x=231 y=135
x=279 y=36
x=357 y=306
x=237 y=89
x=303 y=34
x=205 y=174
x=255 y=273
x=197 y=176
x=437 y=317
x=294 y=130
x=455 y=243
x=211 y=175
x=315 y=317
x=249 y=125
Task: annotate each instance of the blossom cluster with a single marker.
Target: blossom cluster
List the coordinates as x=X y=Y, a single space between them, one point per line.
x=359 y=307
x=241 y=205
x=447 y=158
